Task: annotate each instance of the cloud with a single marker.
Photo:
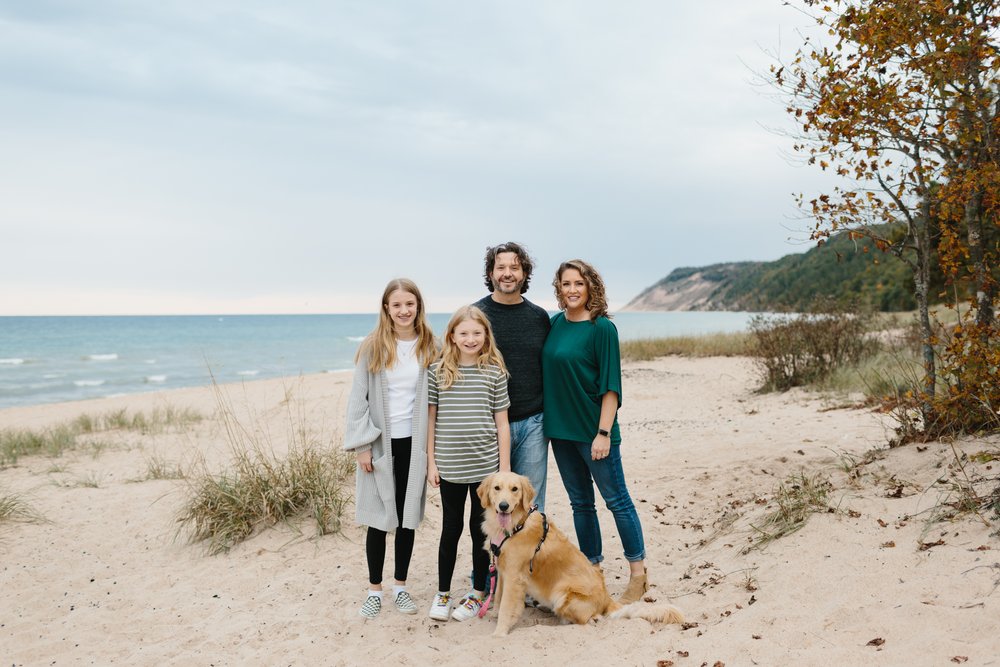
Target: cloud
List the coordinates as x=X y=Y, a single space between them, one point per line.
x=249 y=152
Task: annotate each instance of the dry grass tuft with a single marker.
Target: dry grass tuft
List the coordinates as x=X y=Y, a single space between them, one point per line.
x=795 y=500
x=14 y=507
x=157 y=421
x=712 y=345
x=260 y=489
x=15 y=443
x=54 y=441
x=158 y=467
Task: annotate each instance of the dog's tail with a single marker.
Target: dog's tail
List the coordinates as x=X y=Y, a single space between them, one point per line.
x=660 y=613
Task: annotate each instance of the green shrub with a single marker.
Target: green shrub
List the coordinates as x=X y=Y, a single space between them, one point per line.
x=797 y=350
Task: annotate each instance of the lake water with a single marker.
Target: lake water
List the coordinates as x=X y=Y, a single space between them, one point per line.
x=52 y=359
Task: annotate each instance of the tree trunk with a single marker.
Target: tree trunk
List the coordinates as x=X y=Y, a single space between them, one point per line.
x=921 y=286
x=980 y=273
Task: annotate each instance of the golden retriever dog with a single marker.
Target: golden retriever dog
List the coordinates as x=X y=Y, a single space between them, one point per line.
x=536 y=558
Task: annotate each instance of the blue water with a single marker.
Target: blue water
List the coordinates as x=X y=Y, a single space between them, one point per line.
x=52 y=359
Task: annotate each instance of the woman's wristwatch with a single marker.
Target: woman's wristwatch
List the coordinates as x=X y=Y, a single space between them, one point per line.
x=603 y=432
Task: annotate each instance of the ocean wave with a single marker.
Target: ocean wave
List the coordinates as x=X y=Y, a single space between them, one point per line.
x=156 y=379
x=247 y=373
x=101 y=357
x=88 y=383
x=149 y=361
x=355 y=339
x=14 y=361
x=53 y=376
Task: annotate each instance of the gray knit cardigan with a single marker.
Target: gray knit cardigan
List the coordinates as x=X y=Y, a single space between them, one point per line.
x=368 y=429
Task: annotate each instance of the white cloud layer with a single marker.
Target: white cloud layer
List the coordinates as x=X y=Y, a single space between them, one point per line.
x=262 y=157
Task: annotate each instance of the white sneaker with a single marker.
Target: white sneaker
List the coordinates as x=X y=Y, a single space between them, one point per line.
x=441 y=607
x=468 y=607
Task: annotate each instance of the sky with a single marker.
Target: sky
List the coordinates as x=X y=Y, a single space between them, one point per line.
x=249 y=156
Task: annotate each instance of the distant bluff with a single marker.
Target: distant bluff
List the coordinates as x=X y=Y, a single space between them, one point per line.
x=702 y=288
x=845 y=269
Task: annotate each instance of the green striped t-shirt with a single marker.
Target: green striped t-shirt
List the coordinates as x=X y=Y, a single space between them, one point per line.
x=465 y=432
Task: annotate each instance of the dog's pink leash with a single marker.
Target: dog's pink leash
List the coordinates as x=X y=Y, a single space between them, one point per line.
x=493 y=580
x=489 y=598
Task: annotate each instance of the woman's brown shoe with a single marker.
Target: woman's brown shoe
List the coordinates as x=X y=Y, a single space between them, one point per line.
x=637 y=587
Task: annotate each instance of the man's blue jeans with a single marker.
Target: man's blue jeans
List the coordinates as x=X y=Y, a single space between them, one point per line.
x=529 y=453
x=579 y=474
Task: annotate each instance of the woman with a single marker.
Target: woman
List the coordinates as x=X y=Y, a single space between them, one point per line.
x=581 y=366
x=387 y=430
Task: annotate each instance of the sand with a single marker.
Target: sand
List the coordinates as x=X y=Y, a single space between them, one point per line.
x=108 y=579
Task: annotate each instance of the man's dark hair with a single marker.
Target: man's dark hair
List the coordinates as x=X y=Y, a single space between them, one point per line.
x=522 y=257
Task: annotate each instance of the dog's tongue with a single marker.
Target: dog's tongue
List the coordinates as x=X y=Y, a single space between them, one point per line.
x=503 y=518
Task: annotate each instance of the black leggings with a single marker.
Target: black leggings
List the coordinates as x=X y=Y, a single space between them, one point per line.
x=375 y=540
x=453 y=506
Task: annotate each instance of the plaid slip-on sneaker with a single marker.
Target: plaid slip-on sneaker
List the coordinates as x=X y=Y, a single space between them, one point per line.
x=405 y=603
x=371 y=607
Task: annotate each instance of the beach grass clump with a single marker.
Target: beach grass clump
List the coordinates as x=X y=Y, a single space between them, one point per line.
x=56 y=440
x=969 y=486
x=157 y=467
x=795 y=500
x=52 y=442
x=13 y=507
x=709 y=345
x=884 y=373
x=92 y=480
x=260 y=490
x=156 y=421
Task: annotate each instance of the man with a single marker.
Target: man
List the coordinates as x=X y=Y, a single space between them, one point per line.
x=520 y=328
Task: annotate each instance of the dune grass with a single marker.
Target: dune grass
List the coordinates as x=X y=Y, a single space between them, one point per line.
x=58 y=439
x=158 y=467
x=15 y=443
x=156 y=421
x=259 y=488
x=795 y=500
x=886 y=373
x=709 y=345
x=14 y=507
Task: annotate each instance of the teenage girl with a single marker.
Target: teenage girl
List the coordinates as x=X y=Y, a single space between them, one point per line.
x=387 y=431
x=468 y=438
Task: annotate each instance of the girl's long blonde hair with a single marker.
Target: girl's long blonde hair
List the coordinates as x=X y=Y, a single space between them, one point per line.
x=380 y=344
x=448 y=372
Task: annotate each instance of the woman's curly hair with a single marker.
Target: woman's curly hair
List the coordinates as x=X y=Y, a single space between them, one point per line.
x=597 y=300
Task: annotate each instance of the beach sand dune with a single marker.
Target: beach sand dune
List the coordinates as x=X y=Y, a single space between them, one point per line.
x=107 y=579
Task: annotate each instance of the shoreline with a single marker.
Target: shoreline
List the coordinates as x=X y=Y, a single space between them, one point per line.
x=45 y=362
x=107 y=578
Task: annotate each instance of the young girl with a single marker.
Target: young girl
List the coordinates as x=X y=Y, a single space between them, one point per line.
x=387 y=432
x=468 y=439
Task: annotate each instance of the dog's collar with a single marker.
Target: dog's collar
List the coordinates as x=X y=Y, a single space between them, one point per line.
x=519 y=527
x=495 y=547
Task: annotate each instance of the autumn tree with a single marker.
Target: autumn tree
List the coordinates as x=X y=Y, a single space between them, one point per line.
x=899 y=98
